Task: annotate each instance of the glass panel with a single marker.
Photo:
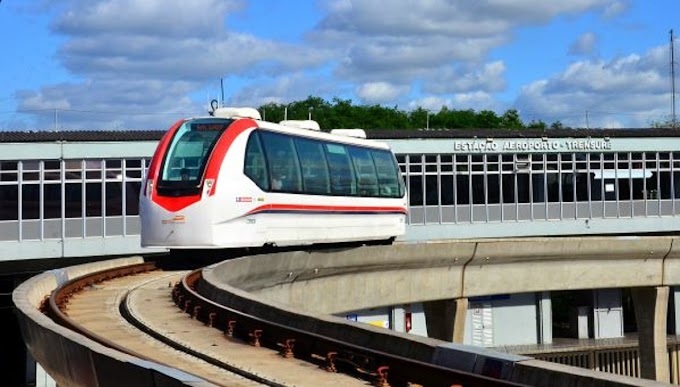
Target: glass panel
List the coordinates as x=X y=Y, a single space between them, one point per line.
x=415 y=190
x=367 y=180
x=342 y=173
x=315 y=176
x=30 y=201
x=74 y=200
x=187 y=156
x=52 y=201
x=255 y=164
x=284 y=167
x=132 y=197
x=93 y=199
x=9 y=202
x=388 y=174
x=114 y=203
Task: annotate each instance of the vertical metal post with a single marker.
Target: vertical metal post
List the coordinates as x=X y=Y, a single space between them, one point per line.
x=41 y=200
x=102 y=176
x=500 y=186
x=83 y=198
x=644 y=181
x=423 y=187
x=590 y=184
x=616 y=185
x=560 y=194
x=62 y=172
x=20 y=197
x=455 y=188
x=123 y=190
x=630 y=185
x=470 y=191
x=485 y=177
x=439 y=186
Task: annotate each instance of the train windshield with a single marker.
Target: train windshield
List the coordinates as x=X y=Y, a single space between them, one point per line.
x=188 y=153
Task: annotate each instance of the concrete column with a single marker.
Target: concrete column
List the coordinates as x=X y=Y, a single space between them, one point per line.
x=651 y=308
x=544 y=309
x=445 y=319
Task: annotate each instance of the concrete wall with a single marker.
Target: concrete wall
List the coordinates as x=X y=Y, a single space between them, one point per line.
x=74 y=360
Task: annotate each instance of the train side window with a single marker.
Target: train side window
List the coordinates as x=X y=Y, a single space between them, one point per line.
x=284 y=167
x=342 y=174
x=315 y=177
x=389 y=182
x=255 y=164
x=367 y=179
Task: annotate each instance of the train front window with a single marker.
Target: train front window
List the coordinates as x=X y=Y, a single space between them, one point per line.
x=188 y=154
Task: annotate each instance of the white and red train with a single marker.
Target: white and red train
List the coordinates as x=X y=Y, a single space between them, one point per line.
x=233 y=180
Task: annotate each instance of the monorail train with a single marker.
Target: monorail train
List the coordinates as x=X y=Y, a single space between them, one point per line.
x=232 y=180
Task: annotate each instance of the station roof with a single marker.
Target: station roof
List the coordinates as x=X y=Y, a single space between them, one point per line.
x=377 y=134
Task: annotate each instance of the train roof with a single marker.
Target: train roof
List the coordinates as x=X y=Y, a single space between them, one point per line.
x=371 y=134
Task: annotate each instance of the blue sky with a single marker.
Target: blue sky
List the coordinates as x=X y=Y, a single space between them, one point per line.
x=142 y=64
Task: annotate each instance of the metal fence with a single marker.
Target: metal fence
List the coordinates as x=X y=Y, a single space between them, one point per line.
x=72 y=198
x=621 y=360
x=509 y=187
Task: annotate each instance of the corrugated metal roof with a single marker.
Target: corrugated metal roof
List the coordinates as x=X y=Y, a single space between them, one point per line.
x=82 y=136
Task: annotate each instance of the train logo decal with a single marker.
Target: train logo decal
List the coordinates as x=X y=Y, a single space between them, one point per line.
x=175 y=219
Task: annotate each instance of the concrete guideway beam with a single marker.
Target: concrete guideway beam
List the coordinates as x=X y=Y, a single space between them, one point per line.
x=544 y=264
x=372 y=276
x=443 y=275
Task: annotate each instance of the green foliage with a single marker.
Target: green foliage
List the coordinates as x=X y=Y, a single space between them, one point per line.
x=342 y=113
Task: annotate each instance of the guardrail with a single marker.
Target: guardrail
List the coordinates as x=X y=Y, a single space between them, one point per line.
x=621 y=359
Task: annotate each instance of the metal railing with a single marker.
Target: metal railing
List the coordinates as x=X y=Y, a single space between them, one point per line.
x=620 y=360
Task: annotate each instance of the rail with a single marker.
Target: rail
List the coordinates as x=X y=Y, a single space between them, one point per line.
x=54 y=305
x=383 y=368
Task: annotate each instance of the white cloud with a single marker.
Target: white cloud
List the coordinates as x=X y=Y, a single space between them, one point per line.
x=163 y=18
x=476 y=100
x=630 y=91
x=148 y=56
x=151 y=56
x=488 y=78
x=584 y=44
x=380 y=92
x=616 y=8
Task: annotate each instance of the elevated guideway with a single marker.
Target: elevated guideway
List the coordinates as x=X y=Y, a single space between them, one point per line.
x=246 y=283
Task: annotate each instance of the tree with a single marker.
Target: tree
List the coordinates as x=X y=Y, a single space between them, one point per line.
x=537 y=124
x=342 y=113
x=488 y=119
x=511 y=120
x=556 y=125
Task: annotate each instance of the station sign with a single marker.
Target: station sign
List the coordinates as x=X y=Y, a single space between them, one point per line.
x=531 y=145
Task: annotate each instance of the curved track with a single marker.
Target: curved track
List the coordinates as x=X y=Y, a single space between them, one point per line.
x=130 y=309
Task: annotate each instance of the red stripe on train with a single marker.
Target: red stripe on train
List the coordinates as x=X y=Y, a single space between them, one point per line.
x=174 y=204
x=305 y=207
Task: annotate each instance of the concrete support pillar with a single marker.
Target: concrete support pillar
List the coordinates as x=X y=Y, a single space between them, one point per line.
x=651 y=308
x=544 y=310
x=445 y=319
